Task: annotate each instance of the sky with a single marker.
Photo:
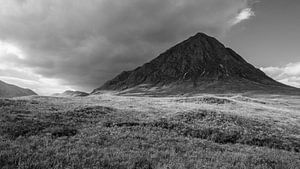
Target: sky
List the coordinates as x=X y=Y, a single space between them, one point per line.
x=53 y=45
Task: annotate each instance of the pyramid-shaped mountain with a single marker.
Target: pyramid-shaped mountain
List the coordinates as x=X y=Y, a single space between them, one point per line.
x=198 y=64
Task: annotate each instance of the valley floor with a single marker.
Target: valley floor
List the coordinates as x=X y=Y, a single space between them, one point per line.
x=114 y=132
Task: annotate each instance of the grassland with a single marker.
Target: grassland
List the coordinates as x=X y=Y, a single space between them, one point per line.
x=140 y=132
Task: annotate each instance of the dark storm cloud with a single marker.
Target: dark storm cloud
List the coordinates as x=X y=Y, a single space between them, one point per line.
x=88 y=42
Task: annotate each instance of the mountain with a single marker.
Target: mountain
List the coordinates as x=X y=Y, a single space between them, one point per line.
x=8 y=90
x=70 y=93
x=198 y=64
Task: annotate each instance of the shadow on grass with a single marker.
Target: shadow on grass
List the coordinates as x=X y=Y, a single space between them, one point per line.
x=222 y=129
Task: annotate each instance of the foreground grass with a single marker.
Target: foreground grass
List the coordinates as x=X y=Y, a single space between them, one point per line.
x=61 y=133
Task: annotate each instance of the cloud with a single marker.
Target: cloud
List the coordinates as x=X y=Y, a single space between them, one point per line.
x=13 y=73
x=289 y=74
x=85 y=43
x=243 y=15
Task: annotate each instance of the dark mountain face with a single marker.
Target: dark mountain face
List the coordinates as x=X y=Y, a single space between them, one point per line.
x=199 y=63
x=8 y=90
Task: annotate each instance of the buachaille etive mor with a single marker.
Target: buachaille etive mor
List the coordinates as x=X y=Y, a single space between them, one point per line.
x=198 y=64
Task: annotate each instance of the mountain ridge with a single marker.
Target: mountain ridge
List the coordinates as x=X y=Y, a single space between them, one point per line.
x=70 y=93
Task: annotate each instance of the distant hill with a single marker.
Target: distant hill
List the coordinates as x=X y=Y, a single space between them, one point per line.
x=198 y=64
x=70 y=93
x=9 y=90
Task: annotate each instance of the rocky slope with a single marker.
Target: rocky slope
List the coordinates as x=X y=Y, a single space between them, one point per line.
x=8 y=90
x=200 y=63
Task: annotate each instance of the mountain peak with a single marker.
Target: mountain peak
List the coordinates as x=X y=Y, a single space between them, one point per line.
x=201 y=35
x=199 y=63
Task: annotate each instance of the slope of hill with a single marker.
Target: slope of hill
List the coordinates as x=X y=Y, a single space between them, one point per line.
x=200 y=63
x=70 y=93
x=8 y=90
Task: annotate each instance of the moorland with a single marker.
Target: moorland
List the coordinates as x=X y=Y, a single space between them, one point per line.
x=113 y=131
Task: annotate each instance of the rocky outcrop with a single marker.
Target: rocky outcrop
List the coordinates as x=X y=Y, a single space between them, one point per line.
x=9 y=90
x=198 y=63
